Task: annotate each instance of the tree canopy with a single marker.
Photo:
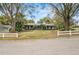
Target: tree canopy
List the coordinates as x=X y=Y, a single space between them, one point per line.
x=45 y=20
x=67 y=11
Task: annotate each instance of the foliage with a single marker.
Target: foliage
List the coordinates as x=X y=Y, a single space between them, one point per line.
x=67 y=11
x=3 y=20
x=11 y=10
x=30 y=21
x=19 y=26
x=46 y=20
x=42 y=26
x=59 y=23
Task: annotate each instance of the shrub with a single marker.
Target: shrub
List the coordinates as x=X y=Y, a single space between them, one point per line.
x=18 y=26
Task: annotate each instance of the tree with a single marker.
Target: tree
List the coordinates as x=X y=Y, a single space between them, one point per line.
x=46 y=20
x=30 y=21
x=3 y=20
x=59 y=23
x=20 y=21
x=10 y=10
x=67 y=11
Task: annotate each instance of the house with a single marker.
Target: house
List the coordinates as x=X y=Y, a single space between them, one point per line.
x=6 y=28
x=39 y=26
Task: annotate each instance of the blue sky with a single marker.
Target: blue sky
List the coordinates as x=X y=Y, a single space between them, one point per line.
x=38 y=11
x=41 y=10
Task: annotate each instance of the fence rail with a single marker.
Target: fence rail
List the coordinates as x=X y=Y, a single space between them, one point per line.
x=67 y=32
x=3 y=35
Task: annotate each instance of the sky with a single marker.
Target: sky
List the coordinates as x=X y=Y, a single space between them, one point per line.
x=41 y=10
x=36 y=11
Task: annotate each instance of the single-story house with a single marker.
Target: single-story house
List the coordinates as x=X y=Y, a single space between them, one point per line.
x=39 y=26
x=6 y=28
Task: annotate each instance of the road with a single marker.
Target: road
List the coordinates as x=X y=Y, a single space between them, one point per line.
x=57 y=46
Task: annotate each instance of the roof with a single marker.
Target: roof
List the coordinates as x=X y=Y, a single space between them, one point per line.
x=40 y=24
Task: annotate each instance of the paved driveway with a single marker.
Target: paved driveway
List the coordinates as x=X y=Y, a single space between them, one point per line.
x=60 y=46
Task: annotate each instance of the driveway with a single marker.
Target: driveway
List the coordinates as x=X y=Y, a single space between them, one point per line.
x=57 y=46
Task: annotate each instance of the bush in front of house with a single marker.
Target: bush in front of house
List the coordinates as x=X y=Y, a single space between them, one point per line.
x=43 y=27
x=19 y=26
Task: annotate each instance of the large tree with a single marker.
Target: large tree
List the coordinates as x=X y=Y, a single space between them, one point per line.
x=67 y=11
x=10 y=10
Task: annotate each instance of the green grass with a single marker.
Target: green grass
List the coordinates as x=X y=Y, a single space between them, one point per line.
x=35 y=34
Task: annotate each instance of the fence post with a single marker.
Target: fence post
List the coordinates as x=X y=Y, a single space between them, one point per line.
x=17 y=35
x=70 y=32
x=57 y=33
x=3 y=35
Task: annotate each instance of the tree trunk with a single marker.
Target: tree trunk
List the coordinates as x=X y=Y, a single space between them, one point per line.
x=67 y=24
x=13 y=26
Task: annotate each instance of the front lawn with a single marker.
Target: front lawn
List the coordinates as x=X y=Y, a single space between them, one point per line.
x=35 y=34
x=38 y=34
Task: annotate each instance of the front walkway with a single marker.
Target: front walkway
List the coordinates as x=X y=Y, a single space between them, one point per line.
x=65 y=45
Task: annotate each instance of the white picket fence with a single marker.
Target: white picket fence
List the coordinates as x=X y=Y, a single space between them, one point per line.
x=67 y=32
x=3 y=35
